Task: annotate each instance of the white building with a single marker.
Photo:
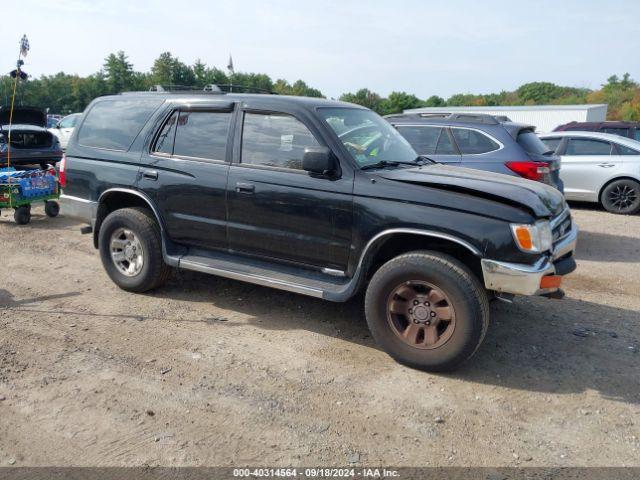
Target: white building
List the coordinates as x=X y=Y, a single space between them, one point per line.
x=544 y=117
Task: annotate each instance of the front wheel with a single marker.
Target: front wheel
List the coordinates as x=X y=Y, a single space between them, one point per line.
x=131 y=250
x=621 y=196
x=427 y=310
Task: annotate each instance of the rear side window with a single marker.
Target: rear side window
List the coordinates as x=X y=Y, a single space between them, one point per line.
x=445 y=146
x=586 y=146
x=552 y=143
x=423 y=139
x=473 y=142
x=202 y=135
x=114 y=124
x=275 y=140
x=531 y=143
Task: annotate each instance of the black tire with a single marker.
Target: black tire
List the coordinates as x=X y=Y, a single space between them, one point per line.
x=621 y=196
x=22 y=215
x=51 y=208
x=463 y=291
x=154 y=272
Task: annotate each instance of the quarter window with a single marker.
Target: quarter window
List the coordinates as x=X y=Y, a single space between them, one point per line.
x=623 y=150
x=585 y=146
x=472 y=142
x=114 y=124
x=275 y=140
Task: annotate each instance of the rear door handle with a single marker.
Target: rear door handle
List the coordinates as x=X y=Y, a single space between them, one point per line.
x=606 y=165
x=150 y=174
x=242 y=187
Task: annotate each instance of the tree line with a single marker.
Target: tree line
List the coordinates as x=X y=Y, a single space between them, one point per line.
x=63 y=93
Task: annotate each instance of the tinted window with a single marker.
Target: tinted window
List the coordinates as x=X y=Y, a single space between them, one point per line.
x=114 y=124
x=164 y=142
x=585 y=146
x=637 y=134
x=276 y=140
x=422 y=139
x=202 y=135
x=622 y=150
x=473 y=142
x=445 y=146
x=552 y=143
x=531 y=143
x=623 y=132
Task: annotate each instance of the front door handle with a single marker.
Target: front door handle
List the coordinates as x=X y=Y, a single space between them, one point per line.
x=242 y=187
x=150 y=174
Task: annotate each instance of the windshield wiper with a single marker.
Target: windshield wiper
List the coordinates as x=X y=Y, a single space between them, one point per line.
x=422 y=158
x=380 y=164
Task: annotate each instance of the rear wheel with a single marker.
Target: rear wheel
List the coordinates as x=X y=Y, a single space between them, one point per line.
x=131 y=250
x=427 y=310
x=621 y=196
x=22 y=214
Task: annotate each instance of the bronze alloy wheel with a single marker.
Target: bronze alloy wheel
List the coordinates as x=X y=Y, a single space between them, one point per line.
x=421 y=315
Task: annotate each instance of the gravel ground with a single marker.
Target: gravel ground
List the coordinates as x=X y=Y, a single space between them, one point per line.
x=208 y=371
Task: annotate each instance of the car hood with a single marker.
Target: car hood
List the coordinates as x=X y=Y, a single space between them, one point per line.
x=542 y=200
x=24 y=115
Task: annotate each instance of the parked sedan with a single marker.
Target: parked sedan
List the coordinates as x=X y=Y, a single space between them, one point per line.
x=599 y=167
x=64 y=128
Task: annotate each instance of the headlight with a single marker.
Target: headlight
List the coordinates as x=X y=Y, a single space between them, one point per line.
x=536 y=238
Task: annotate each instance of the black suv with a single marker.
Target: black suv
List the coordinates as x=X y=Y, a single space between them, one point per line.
x=316 y=197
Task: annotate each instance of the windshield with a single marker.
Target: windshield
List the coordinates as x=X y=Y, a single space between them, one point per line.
x=368 y=137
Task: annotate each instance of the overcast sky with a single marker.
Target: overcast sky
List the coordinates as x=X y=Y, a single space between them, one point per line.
x=423 y=47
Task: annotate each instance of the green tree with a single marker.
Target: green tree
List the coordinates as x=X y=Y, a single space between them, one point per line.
x=118 y=72
x=397 y=102
x=169 y=70
x=435 y=101
x=364 y=97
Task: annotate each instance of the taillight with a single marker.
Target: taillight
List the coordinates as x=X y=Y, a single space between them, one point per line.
x=62 y=174
x=530 y=170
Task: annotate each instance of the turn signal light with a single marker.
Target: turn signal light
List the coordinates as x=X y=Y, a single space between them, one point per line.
x=530 y=170
x=551 y=281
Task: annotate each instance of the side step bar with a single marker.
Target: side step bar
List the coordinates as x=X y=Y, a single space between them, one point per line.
x=313 y=283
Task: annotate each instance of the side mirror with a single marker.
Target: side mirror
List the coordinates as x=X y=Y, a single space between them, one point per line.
x=319 y=161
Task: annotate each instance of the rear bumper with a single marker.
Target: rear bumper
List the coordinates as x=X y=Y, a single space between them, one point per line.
x=523 y=279
x=76 y=207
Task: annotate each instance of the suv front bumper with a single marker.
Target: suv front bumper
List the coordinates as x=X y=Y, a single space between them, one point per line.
x=523 y=279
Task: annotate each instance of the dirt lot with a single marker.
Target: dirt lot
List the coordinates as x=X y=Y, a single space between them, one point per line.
x=208 y=371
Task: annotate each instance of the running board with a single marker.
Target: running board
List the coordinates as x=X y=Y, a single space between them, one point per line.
x=269 y=274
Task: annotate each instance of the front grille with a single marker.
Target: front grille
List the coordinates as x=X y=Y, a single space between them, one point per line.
x=561 y=226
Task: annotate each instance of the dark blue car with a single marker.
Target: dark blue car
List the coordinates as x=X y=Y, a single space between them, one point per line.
x=483 y=142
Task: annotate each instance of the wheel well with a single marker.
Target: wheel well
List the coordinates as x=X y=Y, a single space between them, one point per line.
x=115 y=201
x=399 y=244
x=615 y=180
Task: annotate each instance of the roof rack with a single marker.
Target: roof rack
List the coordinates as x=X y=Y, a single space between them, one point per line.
x=456 y=117
x=212 y=88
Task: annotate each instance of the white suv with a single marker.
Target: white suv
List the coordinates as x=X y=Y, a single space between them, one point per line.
x=64 y=128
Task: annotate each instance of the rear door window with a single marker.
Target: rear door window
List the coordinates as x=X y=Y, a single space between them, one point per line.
x=202 y=135
x=423 y=139
x=587 y=146
x=624 y=150
x=445 y=145
x=115 y=123
x=473 y=142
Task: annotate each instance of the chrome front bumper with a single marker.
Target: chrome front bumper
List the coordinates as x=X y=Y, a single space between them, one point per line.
x=523 y=279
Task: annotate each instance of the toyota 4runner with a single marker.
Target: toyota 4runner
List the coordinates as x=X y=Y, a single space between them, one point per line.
x=316 y=197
